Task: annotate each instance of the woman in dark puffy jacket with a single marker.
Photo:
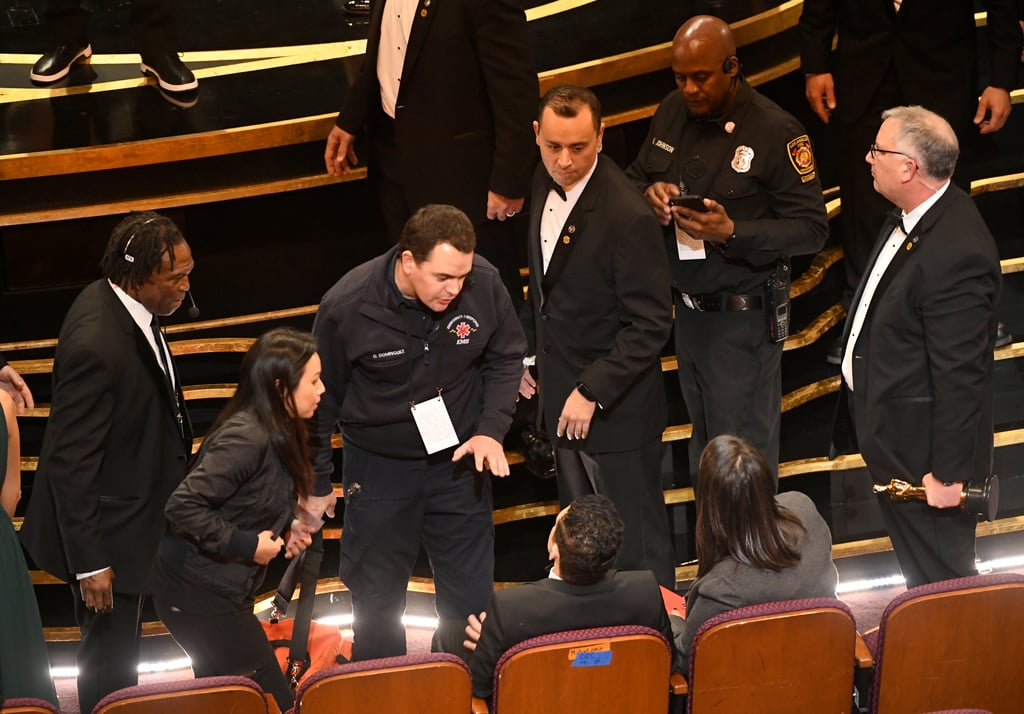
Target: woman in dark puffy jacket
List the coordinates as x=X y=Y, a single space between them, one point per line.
x=234 y=513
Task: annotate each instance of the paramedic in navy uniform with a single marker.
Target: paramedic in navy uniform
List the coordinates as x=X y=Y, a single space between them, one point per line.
x=422 y=355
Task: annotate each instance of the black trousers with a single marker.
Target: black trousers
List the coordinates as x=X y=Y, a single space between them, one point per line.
x=392 y=506
x=503 y=243
x=153 y=25
x=632 y=480
x=931 y=544
x=227 y=643
x=731 y=378
x=108 y=655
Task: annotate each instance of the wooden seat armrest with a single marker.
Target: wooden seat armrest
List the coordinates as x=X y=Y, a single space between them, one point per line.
x=861 y=654
x=272 y=707
x=677 y=684
x=478 y=706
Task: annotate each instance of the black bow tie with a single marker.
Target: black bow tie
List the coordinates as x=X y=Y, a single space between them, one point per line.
x=896 y=215
x=552 y=186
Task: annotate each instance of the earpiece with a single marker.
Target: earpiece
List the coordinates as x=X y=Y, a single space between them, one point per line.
x=727 y=64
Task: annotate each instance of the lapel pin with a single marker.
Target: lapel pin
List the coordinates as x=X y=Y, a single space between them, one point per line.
x=572 y=229
x=566 y=239
x=910 y=245
x=423 y=12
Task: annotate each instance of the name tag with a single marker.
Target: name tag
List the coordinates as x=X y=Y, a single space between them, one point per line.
x=592 y=658
x=599 y=655
x=435 y=425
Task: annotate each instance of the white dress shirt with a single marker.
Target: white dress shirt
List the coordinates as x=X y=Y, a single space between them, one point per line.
x=395 y=26
x=555 y=213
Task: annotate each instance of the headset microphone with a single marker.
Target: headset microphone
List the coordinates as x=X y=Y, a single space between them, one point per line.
x=193 y=312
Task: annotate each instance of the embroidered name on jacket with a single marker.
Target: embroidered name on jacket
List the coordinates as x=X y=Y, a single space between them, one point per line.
x=663 y=146
x=462 y=326
x=387 y=355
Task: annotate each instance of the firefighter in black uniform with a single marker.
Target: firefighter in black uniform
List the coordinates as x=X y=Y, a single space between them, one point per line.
x=754 y=200
x=422 y=356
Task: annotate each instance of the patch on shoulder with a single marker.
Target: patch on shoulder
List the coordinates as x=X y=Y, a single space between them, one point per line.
x=801 y=155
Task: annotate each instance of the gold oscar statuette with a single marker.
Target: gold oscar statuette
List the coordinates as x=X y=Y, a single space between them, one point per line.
x=980 y=500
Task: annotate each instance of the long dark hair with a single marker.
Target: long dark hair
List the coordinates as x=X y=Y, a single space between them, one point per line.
x=271 y=371
x=737 y=515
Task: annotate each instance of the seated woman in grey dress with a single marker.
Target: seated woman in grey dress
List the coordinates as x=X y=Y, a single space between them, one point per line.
x=752 y=546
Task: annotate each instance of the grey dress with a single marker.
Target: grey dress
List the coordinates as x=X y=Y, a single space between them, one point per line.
x=731 y=584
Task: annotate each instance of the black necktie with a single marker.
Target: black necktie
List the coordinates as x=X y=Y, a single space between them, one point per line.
x=154 y=324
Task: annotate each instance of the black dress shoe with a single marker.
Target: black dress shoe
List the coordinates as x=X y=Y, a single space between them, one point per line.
x=170 y=72
x=1003 y=336
x=57 y=61
x=358 y=7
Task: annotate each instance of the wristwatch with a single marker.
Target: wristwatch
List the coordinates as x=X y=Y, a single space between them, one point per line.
x=585 y=392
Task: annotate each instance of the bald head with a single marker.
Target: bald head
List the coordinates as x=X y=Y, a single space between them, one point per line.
x=704 y=34
x=705 y=65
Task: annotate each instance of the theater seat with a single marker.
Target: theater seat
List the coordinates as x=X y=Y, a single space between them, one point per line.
x=26 y=705
x=206 y=695
x=779 y=657
x=435 y=683
x=604 y=669
x=956 y=643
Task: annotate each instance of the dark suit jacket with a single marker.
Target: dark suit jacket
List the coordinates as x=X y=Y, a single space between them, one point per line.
x=929 y=45
x=602 y=312
x=112 y=452
x=465 y=108
x=922 y=365
x=623 y=597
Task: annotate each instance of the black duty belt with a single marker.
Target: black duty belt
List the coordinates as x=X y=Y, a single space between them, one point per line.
x=721 y=302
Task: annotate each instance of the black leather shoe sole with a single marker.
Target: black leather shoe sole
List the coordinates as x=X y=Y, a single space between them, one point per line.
x=167 y=84
x=1003 y=336
x=52 y=74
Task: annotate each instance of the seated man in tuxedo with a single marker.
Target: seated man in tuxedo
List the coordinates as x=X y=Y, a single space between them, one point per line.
x=582 y=590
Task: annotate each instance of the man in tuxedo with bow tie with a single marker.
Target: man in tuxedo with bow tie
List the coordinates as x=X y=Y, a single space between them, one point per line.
x=598 y=315
x=115 y=447
x=916 y=393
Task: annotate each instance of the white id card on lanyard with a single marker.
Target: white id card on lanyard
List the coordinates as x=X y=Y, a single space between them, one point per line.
x=434 y=424
x=688 y=247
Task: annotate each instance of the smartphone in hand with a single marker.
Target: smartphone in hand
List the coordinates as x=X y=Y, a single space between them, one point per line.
x=689 y=200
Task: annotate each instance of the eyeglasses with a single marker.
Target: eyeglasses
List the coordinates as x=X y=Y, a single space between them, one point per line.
x=875 y=150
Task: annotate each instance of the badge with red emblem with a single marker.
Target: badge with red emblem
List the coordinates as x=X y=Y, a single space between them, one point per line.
x=802 y=157
x=462 y=326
